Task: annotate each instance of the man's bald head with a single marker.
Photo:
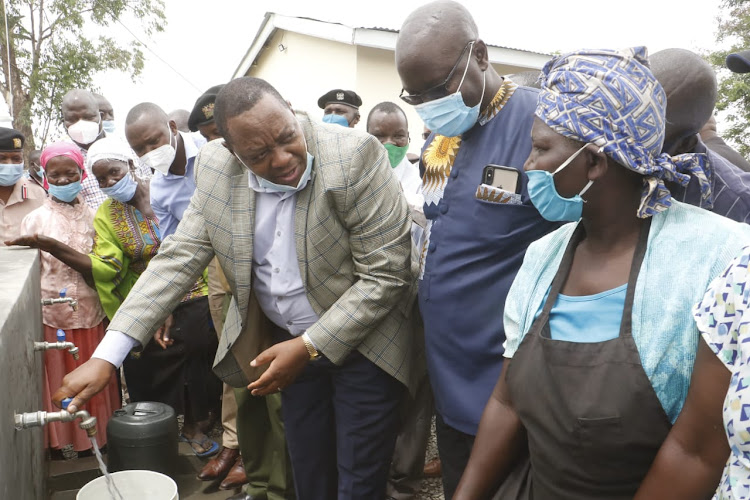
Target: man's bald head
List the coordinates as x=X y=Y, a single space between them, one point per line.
x=80 y=105
x=180 y=117
x=437 y=30
x=691 y=88
x=147 y=111
x=77 y=98
x=147 y=127
x=438 y=53
x=105 y=107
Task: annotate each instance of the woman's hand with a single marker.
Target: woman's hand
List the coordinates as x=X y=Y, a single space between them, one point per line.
x=39 y=241
x=162 y=334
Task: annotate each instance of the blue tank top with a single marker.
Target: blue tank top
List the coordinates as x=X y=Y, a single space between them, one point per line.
x=587 y=318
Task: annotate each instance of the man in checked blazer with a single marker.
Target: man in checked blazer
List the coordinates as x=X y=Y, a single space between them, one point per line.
x=313 y=233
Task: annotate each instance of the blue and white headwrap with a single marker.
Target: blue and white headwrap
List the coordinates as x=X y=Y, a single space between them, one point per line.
x=611 y=99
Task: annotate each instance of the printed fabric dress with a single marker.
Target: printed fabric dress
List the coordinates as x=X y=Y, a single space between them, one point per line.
x=125 y=243
x=723 y=318
x=72 y=225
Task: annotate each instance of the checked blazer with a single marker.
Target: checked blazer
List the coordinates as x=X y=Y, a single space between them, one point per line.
x=352 y=233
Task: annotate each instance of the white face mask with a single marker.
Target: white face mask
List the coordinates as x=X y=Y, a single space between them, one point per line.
x=161 y=158
x=84 y=131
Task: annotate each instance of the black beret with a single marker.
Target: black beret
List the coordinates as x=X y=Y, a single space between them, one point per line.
x=348 y=97
x=10 y=139
x=203 y=111
x=739 y=62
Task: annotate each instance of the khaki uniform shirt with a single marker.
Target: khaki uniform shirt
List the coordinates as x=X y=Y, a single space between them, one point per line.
x=26 y=196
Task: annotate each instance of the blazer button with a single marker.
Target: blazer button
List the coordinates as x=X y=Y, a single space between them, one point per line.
x=432 y=246
x=443 y=208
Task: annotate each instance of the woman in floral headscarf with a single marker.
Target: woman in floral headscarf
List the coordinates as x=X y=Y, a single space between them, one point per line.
x=600 y=340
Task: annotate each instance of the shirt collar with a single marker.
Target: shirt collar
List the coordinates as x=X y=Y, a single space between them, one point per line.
x=498 y=102
x=191 y=150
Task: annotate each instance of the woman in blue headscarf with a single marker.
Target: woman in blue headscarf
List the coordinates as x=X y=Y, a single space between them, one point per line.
x=600 y=340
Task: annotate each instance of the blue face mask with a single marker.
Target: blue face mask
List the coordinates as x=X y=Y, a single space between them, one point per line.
x=449 y=115
x=10 y=173
x=109 y=126
x=336 y=119
x=40 y=172
x=66 y=193
x=548 y=201
x=282 y=188
x=123 y=190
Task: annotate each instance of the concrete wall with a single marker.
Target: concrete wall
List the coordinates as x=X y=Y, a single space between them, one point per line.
x=22 y=465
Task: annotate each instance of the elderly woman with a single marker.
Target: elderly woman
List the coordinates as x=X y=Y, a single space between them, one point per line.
x=600 y=341
x=64 y=216
x=176 y=368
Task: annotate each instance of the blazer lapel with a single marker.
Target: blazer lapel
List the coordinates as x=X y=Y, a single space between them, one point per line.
x=301 y=213
x=304 y=199
x=243 y=227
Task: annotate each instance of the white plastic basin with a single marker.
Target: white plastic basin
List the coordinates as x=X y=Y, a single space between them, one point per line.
x=133 y=485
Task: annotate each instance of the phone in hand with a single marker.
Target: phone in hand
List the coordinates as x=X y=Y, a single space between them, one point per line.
x=505 y=178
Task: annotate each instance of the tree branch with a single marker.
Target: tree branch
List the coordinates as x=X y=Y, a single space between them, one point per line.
x=53 y=25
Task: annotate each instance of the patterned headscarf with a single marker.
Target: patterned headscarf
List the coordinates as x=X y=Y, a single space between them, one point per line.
x=62 y=149
x=611 y=99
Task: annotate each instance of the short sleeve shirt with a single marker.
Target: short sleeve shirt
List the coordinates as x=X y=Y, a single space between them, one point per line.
x=723 y=318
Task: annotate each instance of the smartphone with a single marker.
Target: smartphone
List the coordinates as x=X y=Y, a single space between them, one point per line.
x=505 y=178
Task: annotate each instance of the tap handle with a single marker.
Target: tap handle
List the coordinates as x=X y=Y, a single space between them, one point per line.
x=65 y=402
x=60 y=335
x=63 y=292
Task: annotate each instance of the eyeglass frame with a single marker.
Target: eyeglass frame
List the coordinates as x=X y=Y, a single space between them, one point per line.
x=415 y=99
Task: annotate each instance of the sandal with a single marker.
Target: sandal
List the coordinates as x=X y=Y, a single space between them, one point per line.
x=212 y=450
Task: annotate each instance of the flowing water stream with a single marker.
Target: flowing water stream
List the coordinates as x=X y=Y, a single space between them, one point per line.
x=111 y=486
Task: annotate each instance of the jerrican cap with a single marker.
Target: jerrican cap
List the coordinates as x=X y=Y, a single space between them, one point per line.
x=348 y=97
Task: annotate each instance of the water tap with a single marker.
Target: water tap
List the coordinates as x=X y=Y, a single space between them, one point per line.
x=41 y=418
x=59 y=345
x=62 y=299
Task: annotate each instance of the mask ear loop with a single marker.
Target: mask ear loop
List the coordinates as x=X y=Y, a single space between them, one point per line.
x=590 y=183
x=569 y=160
x=466 y=69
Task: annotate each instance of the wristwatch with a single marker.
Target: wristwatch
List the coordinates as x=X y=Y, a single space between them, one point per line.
x=311 y=350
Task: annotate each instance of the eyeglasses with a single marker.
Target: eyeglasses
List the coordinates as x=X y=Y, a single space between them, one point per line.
x=437 y=91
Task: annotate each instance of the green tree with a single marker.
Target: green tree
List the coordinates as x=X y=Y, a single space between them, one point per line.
x=734 y=89
x=53 y=49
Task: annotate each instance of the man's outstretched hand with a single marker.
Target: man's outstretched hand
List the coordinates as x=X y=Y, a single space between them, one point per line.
x=84 y=382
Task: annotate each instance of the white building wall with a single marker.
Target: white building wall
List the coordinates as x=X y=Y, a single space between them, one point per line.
x=304 y=67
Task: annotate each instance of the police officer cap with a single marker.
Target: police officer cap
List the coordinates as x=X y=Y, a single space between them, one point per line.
x=203 y=111
x=10 y=139
x=739 y=62
x=348 y=97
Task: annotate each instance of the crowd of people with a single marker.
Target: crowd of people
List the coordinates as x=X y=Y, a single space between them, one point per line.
x=559 y=278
